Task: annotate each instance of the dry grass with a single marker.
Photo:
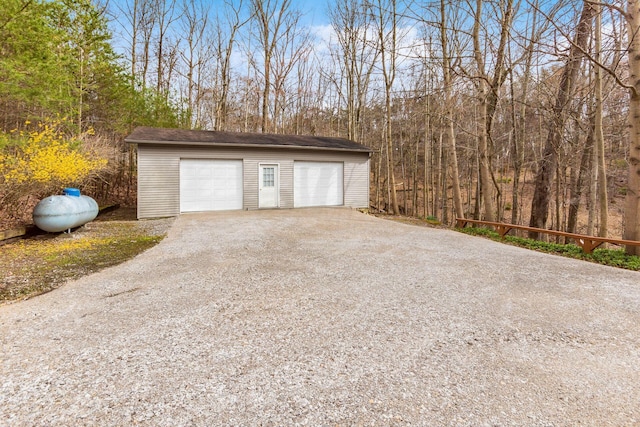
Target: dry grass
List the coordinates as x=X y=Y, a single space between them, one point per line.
x=40 y=264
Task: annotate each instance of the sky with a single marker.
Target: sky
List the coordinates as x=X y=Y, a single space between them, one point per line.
x=315 y=11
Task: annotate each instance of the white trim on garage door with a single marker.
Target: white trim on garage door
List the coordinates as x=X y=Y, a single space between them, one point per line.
x=210 y=185
x=318 y=184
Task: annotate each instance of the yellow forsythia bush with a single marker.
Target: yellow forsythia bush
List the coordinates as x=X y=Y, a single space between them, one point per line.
x=41 y=161
x=46 y=159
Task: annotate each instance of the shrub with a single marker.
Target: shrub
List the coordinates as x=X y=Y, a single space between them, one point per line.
x=38 y=162
x=432 y=220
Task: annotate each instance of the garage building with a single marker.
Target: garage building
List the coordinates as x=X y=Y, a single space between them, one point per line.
x=195 y=171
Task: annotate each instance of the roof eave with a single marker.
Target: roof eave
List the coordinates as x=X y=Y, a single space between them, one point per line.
x=222 y=144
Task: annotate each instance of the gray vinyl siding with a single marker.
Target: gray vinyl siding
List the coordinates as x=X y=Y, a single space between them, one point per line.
x=158 y=184
x=286 y=190
x=356 y=183
x=159 y=174
x=251 y=169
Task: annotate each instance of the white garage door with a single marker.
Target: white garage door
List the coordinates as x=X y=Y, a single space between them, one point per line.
x=317 y=184
x=210 y=185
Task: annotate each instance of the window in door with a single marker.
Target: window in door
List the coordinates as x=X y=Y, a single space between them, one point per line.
x=268 y=177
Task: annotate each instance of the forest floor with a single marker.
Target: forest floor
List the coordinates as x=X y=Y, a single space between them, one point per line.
x=558 y=208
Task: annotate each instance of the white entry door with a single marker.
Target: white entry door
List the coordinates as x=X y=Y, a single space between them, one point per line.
x=269 y=186
x=317 y=184
x=210 y=185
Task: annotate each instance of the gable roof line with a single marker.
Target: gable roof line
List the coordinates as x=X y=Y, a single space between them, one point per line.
x=184 y=137
x=228 y=144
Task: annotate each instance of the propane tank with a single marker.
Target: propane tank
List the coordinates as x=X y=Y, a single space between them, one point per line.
x=64 y=212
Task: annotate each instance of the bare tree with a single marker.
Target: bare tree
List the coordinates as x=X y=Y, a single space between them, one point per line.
x=386 y=26
x=356 y=54
x=488 y=92
x=450 y=135
x=293 y=47
x=147 y=22
x=136 y=20
x=194 y=22
x=520 y=106
x=632 y=201
x=225 y=40
x=548 y=163
x=600 y=162
x=271 y=17
x=165 y=50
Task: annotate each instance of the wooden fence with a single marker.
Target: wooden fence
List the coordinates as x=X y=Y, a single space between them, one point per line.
x=587 y=243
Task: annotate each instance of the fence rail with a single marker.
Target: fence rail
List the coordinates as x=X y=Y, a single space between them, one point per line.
x=587 y=243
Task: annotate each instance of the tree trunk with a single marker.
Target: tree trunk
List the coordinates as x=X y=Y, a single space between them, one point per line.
x=486 y=183
x=268 y=33
x=593 y=175
x=358 y=57
x=632 y=201
x=484 y=174
x=390 y=159
x=547 y=165
x=388 y=55
x=265 y=92
x=444 y=193
x=451 y=135
x=600 y=164
x=438 y=177
x=519 y=124
x=134 y=41
x=489 y=87
x=427 y=150
x=576 y=186
x=224 y=52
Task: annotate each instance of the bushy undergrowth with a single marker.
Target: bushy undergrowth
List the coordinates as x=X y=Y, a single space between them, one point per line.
x=611 y=257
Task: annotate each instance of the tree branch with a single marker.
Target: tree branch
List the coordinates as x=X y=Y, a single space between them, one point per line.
x=587 y=55
x=24 y=6
x=610 y=6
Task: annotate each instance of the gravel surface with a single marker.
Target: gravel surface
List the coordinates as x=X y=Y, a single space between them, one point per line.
x=326 y=317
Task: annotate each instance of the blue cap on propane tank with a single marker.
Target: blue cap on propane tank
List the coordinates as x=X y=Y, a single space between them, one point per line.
x=75 y=192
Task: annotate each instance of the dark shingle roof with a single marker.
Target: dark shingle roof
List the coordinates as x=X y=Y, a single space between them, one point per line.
x=149 y=135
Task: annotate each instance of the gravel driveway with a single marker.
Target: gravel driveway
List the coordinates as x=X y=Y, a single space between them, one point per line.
x=326 y=317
